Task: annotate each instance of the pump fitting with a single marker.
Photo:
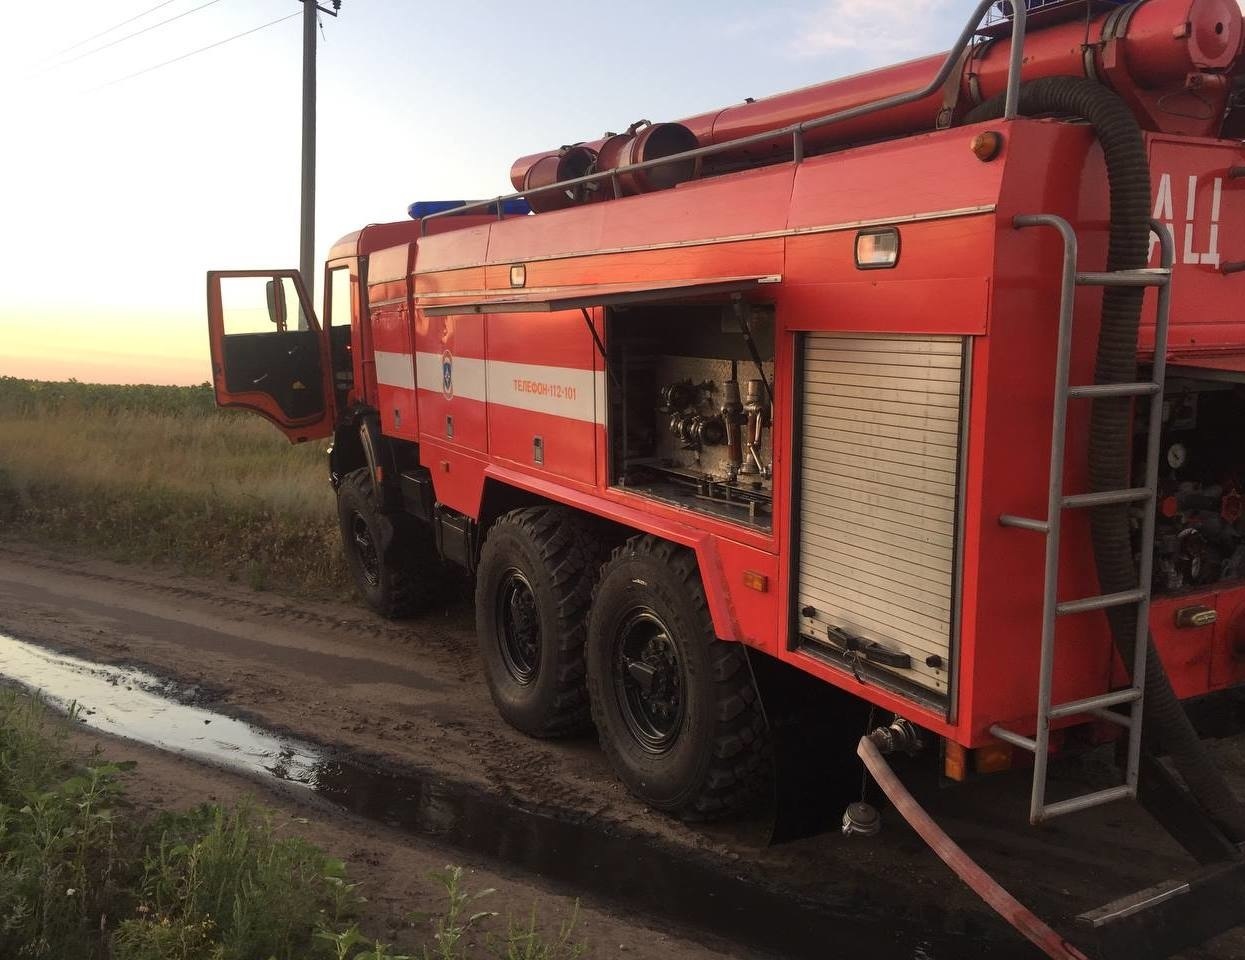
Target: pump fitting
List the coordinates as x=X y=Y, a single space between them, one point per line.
x=901 y=736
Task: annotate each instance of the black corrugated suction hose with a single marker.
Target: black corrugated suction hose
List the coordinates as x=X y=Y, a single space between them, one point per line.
x=1128 y=178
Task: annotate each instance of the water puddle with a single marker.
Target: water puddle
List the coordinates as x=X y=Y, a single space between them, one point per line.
x=630 y=869
x=129 y=703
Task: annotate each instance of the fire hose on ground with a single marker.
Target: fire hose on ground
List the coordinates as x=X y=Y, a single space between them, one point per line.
x=980 y=882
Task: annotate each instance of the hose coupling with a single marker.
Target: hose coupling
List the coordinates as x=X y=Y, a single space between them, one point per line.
x=902 y=736
x=861 y=820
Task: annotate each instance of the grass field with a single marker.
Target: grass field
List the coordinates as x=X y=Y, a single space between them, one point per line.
x=160 y=474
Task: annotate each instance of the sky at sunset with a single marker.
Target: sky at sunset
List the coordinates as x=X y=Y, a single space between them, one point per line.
x=117 y=193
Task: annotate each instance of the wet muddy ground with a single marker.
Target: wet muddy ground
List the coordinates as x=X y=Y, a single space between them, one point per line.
x=396 y=871
x=392 y=721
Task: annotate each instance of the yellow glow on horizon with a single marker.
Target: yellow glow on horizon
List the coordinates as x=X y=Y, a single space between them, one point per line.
x=104 y=346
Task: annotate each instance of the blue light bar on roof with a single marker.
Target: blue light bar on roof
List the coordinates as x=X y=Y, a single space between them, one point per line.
x=511 y=208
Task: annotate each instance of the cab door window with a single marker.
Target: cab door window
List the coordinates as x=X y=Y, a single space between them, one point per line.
x=270 y=346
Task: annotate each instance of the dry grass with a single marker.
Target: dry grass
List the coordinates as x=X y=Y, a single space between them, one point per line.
x=158 y=474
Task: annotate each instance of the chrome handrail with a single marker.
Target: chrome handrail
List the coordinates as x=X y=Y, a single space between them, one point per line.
x=797 y=130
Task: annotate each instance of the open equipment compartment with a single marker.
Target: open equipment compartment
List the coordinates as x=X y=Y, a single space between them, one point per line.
x=691 y=409
x=1200 y=531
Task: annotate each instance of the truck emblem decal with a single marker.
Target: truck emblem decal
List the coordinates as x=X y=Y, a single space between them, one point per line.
x=1165 y=213
x=447 y=375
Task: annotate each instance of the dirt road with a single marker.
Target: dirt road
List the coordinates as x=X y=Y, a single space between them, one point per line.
x=411 y=694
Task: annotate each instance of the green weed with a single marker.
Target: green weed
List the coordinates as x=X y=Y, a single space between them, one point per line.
x=450 y=929
x=64 y=866
x=264 y=895
x=521 y=941
x=524 y=941
x=345 y=942
x=162 y=938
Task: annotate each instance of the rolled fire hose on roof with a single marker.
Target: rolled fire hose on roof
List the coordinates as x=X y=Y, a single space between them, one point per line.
x=1128 y=178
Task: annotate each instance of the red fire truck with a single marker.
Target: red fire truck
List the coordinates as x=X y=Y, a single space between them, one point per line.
x=924 y=386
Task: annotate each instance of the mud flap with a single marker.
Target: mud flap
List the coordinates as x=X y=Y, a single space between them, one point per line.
x=1177 y=914
x=813 y=728
x=1170 y=917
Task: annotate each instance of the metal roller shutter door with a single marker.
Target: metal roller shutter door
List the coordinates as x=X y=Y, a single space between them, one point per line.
x=879 y=469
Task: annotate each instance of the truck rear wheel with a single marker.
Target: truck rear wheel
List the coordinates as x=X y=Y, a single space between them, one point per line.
x=392 y=558
x=676 y=708
x=533 y=587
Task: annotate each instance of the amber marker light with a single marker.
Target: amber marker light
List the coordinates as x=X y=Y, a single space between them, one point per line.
x=987 y=145
x=756 y=581
x=954 y=761
x=518 y=275
x=993 y=758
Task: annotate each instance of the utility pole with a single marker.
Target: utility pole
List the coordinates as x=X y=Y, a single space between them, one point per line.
x=307 y=226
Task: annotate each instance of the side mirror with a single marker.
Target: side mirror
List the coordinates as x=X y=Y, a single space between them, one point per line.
x=276 y=303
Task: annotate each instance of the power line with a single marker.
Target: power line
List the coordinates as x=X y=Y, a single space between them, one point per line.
x=115 y=26
x=186 y=56
x=136 y=33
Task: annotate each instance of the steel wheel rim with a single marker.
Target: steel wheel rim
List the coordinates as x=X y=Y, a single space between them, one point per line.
x=365 y=549
x=518 y=627
x=649 y=680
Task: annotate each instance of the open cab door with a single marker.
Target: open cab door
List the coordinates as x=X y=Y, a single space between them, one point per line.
x=268 y=354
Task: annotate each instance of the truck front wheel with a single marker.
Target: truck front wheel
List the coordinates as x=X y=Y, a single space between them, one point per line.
x=392 y=558
x=676 y=708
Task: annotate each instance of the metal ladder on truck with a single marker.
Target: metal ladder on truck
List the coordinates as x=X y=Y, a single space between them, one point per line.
x=1130 y=698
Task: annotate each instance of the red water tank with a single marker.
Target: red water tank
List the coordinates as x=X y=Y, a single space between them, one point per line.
x=1167 y=58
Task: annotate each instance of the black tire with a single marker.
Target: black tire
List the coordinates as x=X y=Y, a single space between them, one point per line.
x=392 y=557
x=533 y=588
x=676 y=708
